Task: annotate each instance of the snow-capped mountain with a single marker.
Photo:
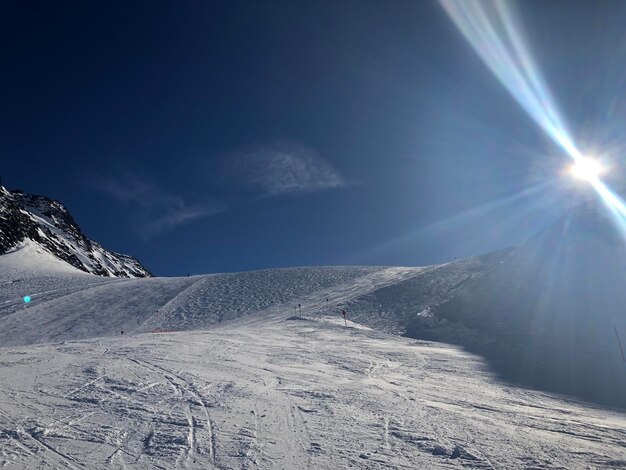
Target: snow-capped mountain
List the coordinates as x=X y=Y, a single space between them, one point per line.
x=27 y=218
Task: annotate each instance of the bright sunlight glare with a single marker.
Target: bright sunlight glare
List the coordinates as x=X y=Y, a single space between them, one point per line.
x=587 y=169
x=492 y=29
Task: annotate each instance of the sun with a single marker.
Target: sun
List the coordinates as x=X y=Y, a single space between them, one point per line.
x=587 y=169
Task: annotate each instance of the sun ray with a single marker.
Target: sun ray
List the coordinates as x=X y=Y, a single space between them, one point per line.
x=491 y=28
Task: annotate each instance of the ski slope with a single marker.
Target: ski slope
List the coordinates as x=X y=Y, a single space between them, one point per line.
x=68 y=304
x=284 y=394
x=219 y=372
x=92 y=308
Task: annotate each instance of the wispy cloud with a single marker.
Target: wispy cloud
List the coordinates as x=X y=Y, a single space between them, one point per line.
x=280 y=169
x=255 y=172
x=154 y=210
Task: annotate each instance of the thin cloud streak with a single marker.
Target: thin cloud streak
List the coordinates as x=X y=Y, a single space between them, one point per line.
x=261 y=172
x=280 y=170
x=155 y=211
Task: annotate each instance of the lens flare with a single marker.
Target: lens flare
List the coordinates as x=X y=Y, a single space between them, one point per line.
x=491 y=28
x=26 y=299
x=587 y=169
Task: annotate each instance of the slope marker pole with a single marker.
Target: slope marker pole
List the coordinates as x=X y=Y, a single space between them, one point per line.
x=619 y=342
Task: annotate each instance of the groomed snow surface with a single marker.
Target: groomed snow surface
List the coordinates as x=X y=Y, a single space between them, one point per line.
x=219 y=372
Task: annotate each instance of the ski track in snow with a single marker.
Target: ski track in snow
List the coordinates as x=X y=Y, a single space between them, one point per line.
x=259 y=396
x=265 y=388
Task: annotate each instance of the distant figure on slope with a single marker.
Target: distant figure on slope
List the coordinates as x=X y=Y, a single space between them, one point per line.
x=345 y=317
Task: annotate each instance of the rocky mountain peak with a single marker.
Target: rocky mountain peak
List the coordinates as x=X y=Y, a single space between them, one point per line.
x=48 y=223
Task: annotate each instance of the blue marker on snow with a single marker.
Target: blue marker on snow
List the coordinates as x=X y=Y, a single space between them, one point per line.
x=26 y=299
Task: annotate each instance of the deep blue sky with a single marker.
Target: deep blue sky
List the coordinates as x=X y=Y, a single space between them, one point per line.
x=205 y=136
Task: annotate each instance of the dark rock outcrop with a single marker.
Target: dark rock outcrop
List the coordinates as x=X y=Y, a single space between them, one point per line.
x=50 y=225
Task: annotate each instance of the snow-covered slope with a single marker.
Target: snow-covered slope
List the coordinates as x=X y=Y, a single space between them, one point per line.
x=75 y=308
x=395 y=307
x=31 y=270
x=285 y=394
x=47 y=223
x=544 y=314
x=266 y=385
x=224 y=371
x=197 y=302
x=549 y=314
